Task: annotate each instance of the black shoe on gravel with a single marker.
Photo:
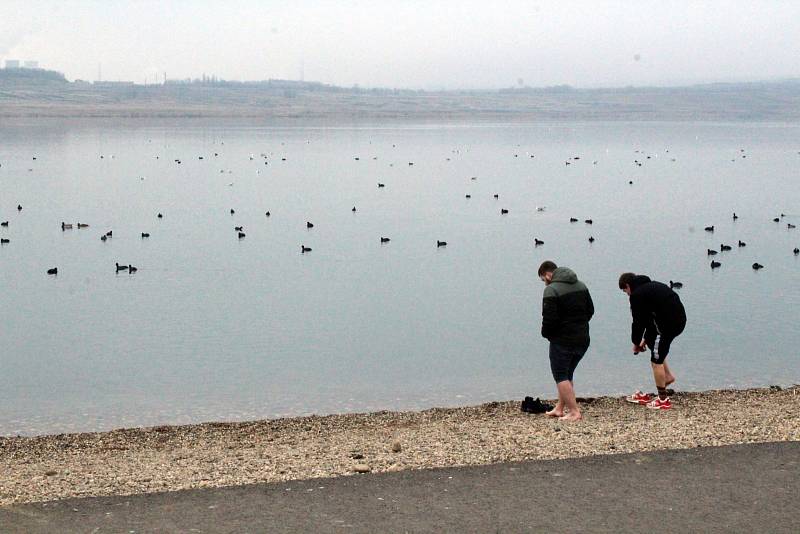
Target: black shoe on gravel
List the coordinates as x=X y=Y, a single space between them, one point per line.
x=534 y=406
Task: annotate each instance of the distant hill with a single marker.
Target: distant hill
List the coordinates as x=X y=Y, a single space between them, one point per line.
x=40 y=93
x=30 y=77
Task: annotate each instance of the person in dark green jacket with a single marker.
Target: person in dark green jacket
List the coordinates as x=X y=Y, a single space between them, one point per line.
x=567 y=308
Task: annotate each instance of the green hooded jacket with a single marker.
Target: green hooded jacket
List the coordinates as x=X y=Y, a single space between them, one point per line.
x=567 y=308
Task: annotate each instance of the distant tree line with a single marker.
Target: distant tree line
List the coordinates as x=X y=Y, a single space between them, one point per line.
x=30 y=76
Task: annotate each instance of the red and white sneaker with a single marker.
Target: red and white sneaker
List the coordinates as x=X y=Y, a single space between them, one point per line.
x=658 y=404
x=638 y=398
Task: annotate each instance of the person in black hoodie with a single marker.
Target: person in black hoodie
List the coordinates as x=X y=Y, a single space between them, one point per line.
x=658 y=318
x=566 y=310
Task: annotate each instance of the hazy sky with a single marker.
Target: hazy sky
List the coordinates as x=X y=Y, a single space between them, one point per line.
x=424 y=44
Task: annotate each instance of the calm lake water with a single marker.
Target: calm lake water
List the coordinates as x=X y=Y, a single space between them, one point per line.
x=213 y=327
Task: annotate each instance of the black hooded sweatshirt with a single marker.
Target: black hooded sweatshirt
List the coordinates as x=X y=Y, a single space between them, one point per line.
x=655 y=309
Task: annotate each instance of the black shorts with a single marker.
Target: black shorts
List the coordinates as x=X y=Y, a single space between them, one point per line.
x=564 y=360
x=660 y=349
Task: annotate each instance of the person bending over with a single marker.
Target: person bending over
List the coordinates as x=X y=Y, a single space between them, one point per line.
x=658 y=318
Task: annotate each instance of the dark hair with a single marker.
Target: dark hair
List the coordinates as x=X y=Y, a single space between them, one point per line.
x=547 y=267
x=625 y=280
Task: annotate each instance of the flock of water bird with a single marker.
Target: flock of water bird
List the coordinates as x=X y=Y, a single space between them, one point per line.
x=130 y=269
x=741 y=244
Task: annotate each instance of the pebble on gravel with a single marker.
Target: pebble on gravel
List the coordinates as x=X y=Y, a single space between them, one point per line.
x=171 y=458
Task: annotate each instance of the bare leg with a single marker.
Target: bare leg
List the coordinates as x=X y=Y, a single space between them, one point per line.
x=659 y=374
x=567 y=394
x=558 y=409
x=670 y=378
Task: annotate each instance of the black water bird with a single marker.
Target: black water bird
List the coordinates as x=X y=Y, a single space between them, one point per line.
x=723 y=248
x=675 y=285
x=238 y=228
x=537 y=242
x=630 y=182
x=796 y=251
x=4 y=223
x=54 y=270
x=469 y=196
x=232 y=211
x=65 y=226
x=354 y=209
x=591 y=239
x=712 y=252
x=3 y=241
x=742 y=243
x=757 y=266
x=735 y=216
x=267 y=214
x=715 y=264
x=385 y=240
x=132 y=269
x=103 y=237
x=110 y=233
x=241 y=235
x=304 y=249
x=83 y=225
x=19 y=207
x=145 y=234
x=441 y=243
x=381 y=185
x=573 y=219
x=709 y=229
x=776 y=219
x=503 y=211
x=588 y=221
x=309 y=225
x=121 y=267
x=790 y=226
x=160 y=216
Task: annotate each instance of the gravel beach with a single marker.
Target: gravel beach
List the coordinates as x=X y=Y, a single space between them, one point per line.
x=169 y=458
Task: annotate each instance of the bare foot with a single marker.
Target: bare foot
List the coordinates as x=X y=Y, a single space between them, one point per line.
x=572 y=416
x=555 y=412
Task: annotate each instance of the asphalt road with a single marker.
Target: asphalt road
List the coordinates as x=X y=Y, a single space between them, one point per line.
x=740 y=488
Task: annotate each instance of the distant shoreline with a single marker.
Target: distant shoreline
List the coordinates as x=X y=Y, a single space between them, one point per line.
x=171 y=458
x=776 y=101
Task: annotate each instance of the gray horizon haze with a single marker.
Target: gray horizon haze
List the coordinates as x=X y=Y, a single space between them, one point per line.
x=417 y=45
